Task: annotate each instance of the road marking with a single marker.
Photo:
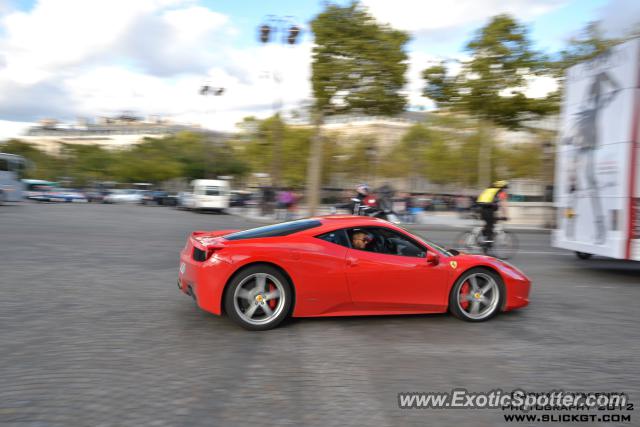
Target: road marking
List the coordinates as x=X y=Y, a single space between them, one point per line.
x=545 y=253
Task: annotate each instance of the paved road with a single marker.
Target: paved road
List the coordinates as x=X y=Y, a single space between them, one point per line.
x=95 y=333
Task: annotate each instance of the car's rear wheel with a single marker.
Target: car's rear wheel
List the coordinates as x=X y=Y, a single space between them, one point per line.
x=583 y=255
x=477 y=295
x=258 y=298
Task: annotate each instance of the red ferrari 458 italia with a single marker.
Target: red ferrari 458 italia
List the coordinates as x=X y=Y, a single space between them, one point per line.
x=341 y=266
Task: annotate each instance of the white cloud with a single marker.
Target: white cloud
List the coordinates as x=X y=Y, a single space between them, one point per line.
x=70 y=58
x=67 y=58
x=9 y=129
x=429 y=16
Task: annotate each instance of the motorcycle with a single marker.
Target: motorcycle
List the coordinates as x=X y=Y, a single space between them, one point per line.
x=377 y=208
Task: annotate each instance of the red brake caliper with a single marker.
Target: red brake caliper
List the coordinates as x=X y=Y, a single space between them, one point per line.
x=464 y=291
x=272 y=302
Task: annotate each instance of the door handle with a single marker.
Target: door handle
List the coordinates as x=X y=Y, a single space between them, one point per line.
x=352 y=262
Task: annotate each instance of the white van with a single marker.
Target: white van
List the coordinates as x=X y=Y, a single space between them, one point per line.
x=209 y=194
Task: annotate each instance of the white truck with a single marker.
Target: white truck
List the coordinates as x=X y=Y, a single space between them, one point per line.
x=597 y=179
x=207 y=194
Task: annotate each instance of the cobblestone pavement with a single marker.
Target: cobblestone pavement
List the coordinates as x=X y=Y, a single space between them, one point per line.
x=95 y=333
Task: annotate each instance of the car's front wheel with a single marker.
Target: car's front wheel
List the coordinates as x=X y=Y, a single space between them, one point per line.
x=258 y=298
x=477 y=295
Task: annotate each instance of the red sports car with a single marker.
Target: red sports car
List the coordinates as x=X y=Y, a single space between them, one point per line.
x=340 y=266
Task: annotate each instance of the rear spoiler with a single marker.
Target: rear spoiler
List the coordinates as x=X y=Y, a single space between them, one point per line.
x=210 y=240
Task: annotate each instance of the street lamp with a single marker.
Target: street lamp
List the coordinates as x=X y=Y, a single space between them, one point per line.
x=290 y=33
x=210 y=90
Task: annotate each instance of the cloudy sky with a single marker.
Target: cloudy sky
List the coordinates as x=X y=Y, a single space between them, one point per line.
x=85 y=58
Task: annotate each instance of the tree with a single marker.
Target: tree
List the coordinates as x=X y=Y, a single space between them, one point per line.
x=408 y=155
x=184 y=155
x=85 y=164
x=359 y=66
x=591 y=42
x=258 y=148
x=492 y=83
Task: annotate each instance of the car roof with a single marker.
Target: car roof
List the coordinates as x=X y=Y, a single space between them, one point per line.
x=309 y=226
x=344 y=221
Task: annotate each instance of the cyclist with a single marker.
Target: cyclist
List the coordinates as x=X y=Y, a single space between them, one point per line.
x=491 y=201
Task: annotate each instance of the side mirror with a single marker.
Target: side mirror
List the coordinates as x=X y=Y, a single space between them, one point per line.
x=433 y=258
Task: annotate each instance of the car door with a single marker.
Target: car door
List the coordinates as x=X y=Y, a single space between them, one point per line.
x=395 y=282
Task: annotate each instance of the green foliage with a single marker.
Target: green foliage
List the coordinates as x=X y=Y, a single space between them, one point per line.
x=86 y=163
x=448 y=150
x=522 y=161
x=591 y=42
x=258 y=149
x=358 y=64
x=408 y=156
x=41 y=165
x=184 y=155
x=491 y=84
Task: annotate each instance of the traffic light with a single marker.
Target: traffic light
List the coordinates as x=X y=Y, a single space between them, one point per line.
x=293 y=34
x=265 y=32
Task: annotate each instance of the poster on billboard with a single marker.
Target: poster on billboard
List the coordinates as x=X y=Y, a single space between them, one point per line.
x=594 y=152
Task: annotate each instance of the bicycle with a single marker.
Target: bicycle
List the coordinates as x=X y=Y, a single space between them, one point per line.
x=505 y=243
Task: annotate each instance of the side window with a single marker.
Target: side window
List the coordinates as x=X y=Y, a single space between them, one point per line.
x=338 y=237
x=398 y=244
x=385 y=241
x=212 y=191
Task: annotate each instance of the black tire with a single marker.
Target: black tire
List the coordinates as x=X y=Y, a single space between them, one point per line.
x=235 y=312
x=583 y=255
x=463 y=243
x=455 y=306
x=504 y=249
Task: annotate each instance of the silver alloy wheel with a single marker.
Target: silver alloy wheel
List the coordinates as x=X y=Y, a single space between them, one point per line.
x=483 y=297
x=251 y=298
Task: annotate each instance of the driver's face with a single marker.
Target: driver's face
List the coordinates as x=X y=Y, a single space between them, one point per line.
x=359 y=240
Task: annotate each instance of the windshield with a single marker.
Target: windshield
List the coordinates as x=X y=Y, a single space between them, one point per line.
x=433 y=245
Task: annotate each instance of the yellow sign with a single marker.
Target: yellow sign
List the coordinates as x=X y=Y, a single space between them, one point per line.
x=453 y=264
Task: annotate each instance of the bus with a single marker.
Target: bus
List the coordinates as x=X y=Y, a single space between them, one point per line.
x=11 y=168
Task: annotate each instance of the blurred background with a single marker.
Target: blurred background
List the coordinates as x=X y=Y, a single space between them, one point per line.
x=310 y=97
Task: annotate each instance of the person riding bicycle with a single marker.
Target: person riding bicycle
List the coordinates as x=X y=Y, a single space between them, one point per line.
x=491 y=201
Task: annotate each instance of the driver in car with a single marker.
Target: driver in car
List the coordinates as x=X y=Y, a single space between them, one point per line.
x=360 y=240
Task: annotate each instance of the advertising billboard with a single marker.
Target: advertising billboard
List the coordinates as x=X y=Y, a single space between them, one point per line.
x=597 y=156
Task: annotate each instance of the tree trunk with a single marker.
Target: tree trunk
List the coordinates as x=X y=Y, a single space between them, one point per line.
x=314 y=170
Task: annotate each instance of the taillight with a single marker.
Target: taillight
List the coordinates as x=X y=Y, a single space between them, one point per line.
x=200 y=255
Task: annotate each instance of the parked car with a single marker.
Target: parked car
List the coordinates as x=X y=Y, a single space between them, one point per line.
x=239 y=198
x=67 y=195
x=124 y=196
x=154 y=197
x=96 y=196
